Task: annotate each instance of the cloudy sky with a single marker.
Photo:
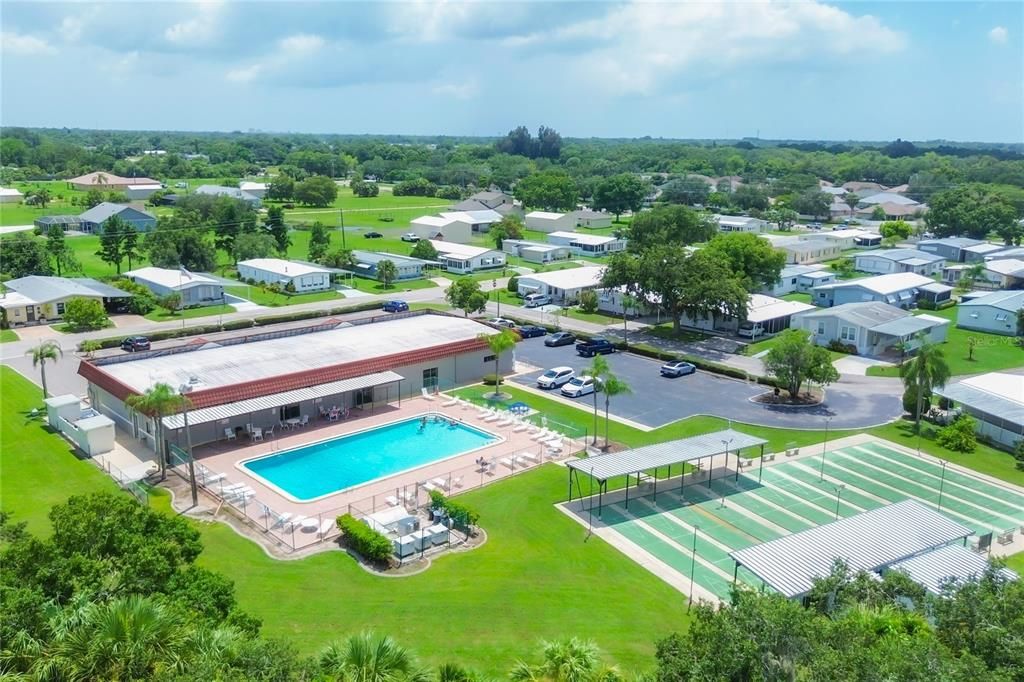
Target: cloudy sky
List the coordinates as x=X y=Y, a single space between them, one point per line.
x=808 y=70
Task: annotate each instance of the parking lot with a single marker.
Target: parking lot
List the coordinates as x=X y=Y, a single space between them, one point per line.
x=656 y=400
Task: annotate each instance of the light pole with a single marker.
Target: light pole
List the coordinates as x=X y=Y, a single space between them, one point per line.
x=184 y=390
x=824 y=446
x=942 y=483
x=497 y=296
x=839 y=493
x=693 y=559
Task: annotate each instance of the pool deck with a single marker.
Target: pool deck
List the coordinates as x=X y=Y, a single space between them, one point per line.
x=461 y=470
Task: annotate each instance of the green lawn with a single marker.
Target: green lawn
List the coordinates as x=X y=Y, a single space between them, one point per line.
x=162 y=315
x=523 y=585
x=993 y=352
x=7 y=335
x=799 y=297
x=760 y=346
x=1015 y=562
x=596 y=318
x=270 y=299
x=374 y=287
x=39 y=467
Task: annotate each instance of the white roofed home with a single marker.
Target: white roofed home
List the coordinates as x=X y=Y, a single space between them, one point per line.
x=872 y=327
x=304 y=277
x=256 y=189
x=739 y=223
x=464 y=258
x=769 y=315
x=885 y=261
x=588 y=244
x=478 y=221
x=800 y=278
x=593 y=219
x=546 y=221
x=901 y=289
x=194 y=289
x=995 y=312
x=810 y=251
x=995 y=400
x=535 y=252
x=9 y=195
x=563 y=286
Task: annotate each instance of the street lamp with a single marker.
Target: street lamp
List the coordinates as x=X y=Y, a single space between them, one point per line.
x=184 y=390
x=839 y=493
x=693 y=559
x=942 y=483
x=824 y=446
x=497 y=296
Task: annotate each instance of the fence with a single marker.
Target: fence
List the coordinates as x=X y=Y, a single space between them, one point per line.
x=135 y=488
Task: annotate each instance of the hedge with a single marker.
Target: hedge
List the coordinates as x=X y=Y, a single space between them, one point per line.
x=464 y=517
x=364 y=540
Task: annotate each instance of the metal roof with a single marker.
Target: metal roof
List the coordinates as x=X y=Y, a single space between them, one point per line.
x=43 y=289
x=907 y=326
x=603 y=467
x=1010 y=301
x=998 y=394
x=275 y=400
x=931 y=569
x=102 y=212
x=869 y=541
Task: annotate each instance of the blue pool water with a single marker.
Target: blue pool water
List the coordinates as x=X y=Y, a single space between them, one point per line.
x=323 y=468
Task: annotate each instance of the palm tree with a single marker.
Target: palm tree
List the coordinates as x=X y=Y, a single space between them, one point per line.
x=851 y=200
x=570 y=660
x=612 y=386
x=926 y=371
x=971 y=274
x=387 y=273
x=159 y=401
x=46 y=350
x=499 y=343
x=366 y=658
x=597 y=371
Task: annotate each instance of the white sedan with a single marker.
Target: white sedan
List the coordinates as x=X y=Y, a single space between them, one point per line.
x=579 y=386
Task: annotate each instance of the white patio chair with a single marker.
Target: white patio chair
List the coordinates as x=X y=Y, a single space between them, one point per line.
x=304 y=421
x=425 y=394
x=230 y=434
x=450 y=403
x=269 y=433
x=257 y=434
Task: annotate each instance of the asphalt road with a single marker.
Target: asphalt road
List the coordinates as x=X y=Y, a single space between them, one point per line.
x=656 y=400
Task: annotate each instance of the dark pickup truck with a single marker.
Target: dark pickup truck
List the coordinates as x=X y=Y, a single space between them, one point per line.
x=589 y=349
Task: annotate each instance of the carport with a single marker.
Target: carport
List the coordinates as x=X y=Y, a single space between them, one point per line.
x=652 y=457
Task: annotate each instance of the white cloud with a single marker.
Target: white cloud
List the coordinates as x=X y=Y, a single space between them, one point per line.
x=198 y=30
x=245 y=74
x=432 y=21
x=27 y=45
x=640 y=44
x=301 y=43
x=463 y=91
x=998 y=35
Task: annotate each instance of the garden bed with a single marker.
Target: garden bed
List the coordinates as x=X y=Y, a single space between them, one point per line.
x=810 y=398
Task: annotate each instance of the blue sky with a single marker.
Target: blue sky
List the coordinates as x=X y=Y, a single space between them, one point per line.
x=806 y=70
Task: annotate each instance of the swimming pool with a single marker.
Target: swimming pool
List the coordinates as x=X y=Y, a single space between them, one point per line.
x=330 y=466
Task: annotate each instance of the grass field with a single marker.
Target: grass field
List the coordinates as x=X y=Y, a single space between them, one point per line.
x=595 y=318
x=498 y=601
x=798 y=297
x=1016 y=563
x=993 y=352
x=372 y=286
x=8 y=335
x=162 y=315
x=272 y=300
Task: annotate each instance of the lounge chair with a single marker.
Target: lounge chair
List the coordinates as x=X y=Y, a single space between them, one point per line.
x=281 y=519
x=425 y=394
x=485 y=413
x=440 y=483
x=457 y=482
x=521 y=426
x=529 y=456
x=325 y=528
x=231 y=487
x=541 y=435
x=507 y=462
x=391 y=500
x=211 y=477
x=296 y=523
x=450 y=403
x=230 y=434
x=495 y=416
x=428 y=486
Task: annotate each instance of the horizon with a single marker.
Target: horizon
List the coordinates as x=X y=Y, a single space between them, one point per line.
x=840 y=72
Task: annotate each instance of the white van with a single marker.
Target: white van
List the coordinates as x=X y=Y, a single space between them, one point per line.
x=536 y=300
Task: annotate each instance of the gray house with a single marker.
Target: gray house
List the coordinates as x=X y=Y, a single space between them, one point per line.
x=233 y=192
x=901 y=290
x=93 y=220
x=950 y=248
x=887 y=261
x=366 y=263
x=983 y=251
x=873 y=328
x=39 y=299
x=995 y=312
x=194 y=289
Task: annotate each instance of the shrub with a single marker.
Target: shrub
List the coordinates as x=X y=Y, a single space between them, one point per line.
x=588 y=301
x=910 y=401
x=513 y=285
x=1018 y=454
x=365 y=541
x=840 y=347
x=959 y=436
x=85 y=313
x=492 y=379
x=462 y=516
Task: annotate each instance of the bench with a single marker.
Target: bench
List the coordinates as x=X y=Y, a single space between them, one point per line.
x=770 y=457
x=1005 y=537
x=645 y=480
x=792 y=452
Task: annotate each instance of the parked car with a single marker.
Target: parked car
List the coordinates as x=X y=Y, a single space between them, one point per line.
x=373 y=235
x=677 y=368
x=135 y=343
x=502 y=322
x=579 y=386
x=555 y=377
x=560 y=339
x=536 y=300
x=410 y=237
x=395 y=306
x=750 y=330
x=528 y=331
x=589 y=349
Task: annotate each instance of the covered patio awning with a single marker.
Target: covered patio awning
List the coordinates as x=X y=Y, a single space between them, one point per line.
x=266 y=402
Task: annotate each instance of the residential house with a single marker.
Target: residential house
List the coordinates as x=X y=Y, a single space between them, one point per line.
x=588 y=244
x=464 y=258
x=9 y=195
x=141 y=192
x=302 y=277
x=1005 y=273
x=492 y=199
x=740 y=223
x=800 y=278
x=886 y=261
x=446 y=229
x=535 y=252
x=995 y=312
x=983 y=251
x=232 y=192
x=880 y=198
x=194 y=289
x=107 y=182
x=563 y=286
x=93 y=220
x=592 y=219
x=995 y=400
x=839 y=209
x=768 y=314
x=478 y=221
x=810 y=251
x=863 y=188
x=37 y=299
x=64 y=222
x=872 y=327
x=838 y=192
x=546 y=221
x=950 y=248
x=256 y=189
x=366 y=263
x=867 y=241
x=892 y=210
x=844 y=239
x=902 y=289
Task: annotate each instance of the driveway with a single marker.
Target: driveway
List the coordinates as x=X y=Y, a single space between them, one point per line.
x=657 y=401
x=856 y=364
